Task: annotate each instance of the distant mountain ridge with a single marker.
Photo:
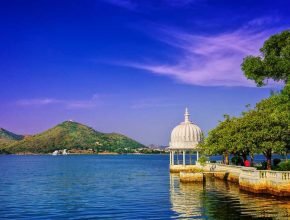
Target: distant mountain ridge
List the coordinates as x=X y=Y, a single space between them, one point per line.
x=69 y=135
x=7 y=135
x=7 y=138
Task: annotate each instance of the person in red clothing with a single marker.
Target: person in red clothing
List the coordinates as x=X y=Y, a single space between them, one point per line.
x=247 y=163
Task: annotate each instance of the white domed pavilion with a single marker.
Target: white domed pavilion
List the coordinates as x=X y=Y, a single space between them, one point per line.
x=184 y=138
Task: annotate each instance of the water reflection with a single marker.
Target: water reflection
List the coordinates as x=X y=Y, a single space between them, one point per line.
x=217 y=199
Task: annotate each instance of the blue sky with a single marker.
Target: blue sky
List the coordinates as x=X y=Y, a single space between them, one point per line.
x=130 y=66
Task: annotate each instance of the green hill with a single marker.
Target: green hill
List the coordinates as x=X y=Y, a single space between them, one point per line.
x=7 y=138
x=73 y=136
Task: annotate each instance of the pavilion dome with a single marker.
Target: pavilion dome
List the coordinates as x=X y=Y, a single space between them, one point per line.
x=186 y=135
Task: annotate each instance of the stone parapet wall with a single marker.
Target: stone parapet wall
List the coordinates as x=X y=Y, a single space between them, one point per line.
x=231 y=173
x=264 y=181
x=248 y=178
x=186 y=168
x=191 y=177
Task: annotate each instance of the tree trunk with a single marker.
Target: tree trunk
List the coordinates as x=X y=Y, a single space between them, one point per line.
x=268 y=156
x=252 y=159
x=226 y=155
x=244 y=156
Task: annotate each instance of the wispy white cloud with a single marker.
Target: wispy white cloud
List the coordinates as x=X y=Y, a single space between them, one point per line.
x=69 y=104
x=209 y=60
x=261 y=21
x=44 y=101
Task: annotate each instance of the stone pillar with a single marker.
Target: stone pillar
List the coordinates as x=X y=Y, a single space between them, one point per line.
x=197 y=156
x=189 y=157
x=172 y=160
x=177 y=157
x=183 y=159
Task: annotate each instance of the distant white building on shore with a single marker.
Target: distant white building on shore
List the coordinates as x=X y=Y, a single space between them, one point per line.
x=60 y=152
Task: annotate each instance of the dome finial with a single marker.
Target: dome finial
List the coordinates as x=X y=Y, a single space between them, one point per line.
x=186 y=115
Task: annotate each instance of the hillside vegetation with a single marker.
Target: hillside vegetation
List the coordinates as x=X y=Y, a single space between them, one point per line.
x=72 y=135
x=7 y=135
x=7 y=138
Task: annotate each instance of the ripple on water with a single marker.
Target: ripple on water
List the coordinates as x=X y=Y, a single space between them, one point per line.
x=119 y=187
x=220 y=200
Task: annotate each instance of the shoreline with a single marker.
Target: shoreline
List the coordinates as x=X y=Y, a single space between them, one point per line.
x=106 y=153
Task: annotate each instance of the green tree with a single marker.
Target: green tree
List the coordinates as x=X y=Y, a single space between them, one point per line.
x=242 y=147
x=273 y=63
x=266 y=127
x=220 y=140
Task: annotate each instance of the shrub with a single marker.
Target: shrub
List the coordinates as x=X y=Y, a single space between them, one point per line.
x=284 y=166
x=264 y=165
x=237 y=160
x=276 y=161
x=260 y=168
x=202 y=160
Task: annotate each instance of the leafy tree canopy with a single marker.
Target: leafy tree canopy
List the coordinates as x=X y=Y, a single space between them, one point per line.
x=264 y=129
x=273 y=63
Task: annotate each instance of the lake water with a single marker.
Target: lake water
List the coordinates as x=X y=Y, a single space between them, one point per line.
x=120 y=187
